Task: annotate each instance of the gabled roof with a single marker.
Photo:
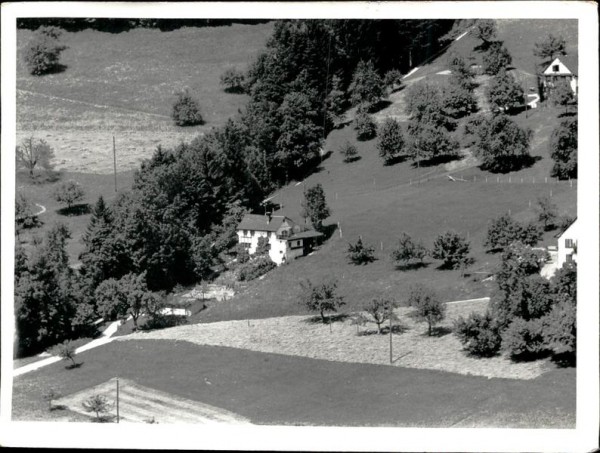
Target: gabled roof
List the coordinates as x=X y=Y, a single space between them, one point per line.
x=257 y=222
x=564 y=230
x=305 y=235
x=570 y=61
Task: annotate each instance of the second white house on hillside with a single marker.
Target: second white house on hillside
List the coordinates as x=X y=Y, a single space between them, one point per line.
x=567 y=244
x=287 y=239
x=561 y=68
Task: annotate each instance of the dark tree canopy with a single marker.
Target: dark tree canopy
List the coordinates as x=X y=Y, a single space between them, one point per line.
x=504 y=93
x=501 y=145
x=367 y=87
x=485 y=29
x=549 y=48
x=563 y=149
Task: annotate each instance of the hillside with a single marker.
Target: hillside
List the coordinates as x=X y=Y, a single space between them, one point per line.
x=378 y=203
x=125 y=84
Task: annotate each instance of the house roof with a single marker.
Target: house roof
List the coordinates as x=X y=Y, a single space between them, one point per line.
x=559 y=234
x=570 y=61
x=305 y=235
x=257 y=222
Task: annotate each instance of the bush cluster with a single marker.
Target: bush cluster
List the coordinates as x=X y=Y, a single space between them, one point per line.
x=255 y=268
x=186 y=110
x=479 y=334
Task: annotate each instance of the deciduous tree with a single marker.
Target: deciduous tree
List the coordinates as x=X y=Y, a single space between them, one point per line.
x=504 y=93
x=501 y=145
x=563 y=95
x=233 y=80
x=360 y=253
x=549 y=48
x=547 y=213
x=563 y=149
x=42 y=55
x=33 y=153
x=485 y=29
x=186 y=110
x=321 y=297
x=390 y=141
x=428 y=307
x=408 y=250
x=452 y=248
x=69 y=193
x=366 y=88
x=496 y=58
x=315 y=206
x=349 y=152
x=366 y=129
x=380 y=309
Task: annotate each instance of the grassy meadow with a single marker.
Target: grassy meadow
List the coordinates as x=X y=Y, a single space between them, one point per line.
x=125 y=84
x=278 y=389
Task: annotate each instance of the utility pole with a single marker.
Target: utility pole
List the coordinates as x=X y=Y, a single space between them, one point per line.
x=115 y=163
x=117 y=400
x=391 y=353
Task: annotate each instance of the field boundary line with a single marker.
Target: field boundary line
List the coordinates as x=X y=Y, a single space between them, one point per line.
x=480 y=299
x=91 y=104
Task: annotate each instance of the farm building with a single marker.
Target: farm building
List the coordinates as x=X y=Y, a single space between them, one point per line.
x=561 y=68
x=287 y=239
x=567 y=244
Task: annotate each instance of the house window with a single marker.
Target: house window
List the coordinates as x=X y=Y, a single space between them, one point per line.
x=555 y=68
x=569 y=258
x=245 y=232
x=569 y=243
x=251 y=233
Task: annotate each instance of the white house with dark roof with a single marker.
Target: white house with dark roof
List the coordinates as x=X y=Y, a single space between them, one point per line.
x=287 y=239
x=567 y=245
x=563 y=67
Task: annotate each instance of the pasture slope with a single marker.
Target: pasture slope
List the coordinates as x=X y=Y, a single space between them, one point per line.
x=125 y=84
x=378 y=203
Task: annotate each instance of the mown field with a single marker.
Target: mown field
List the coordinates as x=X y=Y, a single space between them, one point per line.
x=278 y=389
x=125 y=84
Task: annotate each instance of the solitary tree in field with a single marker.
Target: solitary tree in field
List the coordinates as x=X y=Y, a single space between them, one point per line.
x=360 y=253
x=501 y=145
x=380 y=309
x=98 y=404
x=321 y=297
x=65 y=351
x=33 y=153
x=349 y=152
x=186 y=110
x=42 y=55
x=549 y=48
x=428 y=307
x=485 y=29
x=408 y=250
x=563 y=149
x=315 y=206
x=452 y=248
x=365 y=127
x=69 y=193
x=547 y=213
x=505 y=93
x=233 y=80
x=390 y=142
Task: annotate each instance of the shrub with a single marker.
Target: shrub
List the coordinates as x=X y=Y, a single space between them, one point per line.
x=348 y=151
x=429 y=308
x=524 y=339
x=452 y=248
x=366 y=129
x=360 y=253
x=479 y=334
x=241 y=251
x=186 y=110
x=99 y=405
x=256 y=267
x=42 y=55
x=233 y=80
x=392 y=79
x=69 y=193
x=380 y=310
x=321 y=297
x=408 y=250
x=262 y=247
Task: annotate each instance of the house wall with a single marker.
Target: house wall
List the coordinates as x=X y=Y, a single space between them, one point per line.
x=571 y=233
x=278 y=247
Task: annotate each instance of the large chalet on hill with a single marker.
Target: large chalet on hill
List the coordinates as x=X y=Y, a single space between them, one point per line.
x=288 y=240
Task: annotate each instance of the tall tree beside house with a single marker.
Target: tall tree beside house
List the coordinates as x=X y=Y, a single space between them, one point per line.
x=550 y=47
x=314 y=206
x=547 y=213
x=562 y=94
x=485 y=29
x=563 y=149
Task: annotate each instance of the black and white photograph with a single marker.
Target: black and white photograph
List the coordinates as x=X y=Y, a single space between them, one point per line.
x=339 y=224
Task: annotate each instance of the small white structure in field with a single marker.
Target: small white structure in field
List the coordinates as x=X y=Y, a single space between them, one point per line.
x=567 y=244
x=287 y=239
x=561 y=68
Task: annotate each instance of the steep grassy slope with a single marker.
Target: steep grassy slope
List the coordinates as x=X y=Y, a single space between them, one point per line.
x=378 y=202
x=125 y=83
